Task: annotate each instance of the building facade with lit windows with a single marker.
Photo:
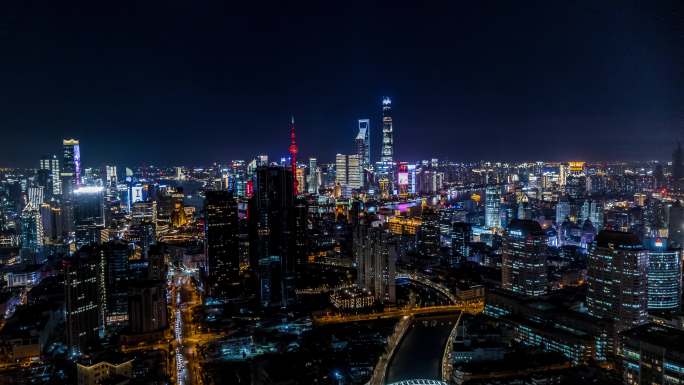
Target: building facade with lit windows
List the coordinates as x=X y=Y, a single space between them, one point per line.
x=523 y=261
x=617 y=279
x=548 y=323
x=664 y=276
x=387 y=155
x=71 y=165
x=84 y=291
x=652 y=354
x=363 y=142
x=221 y=237
x=492 y=206
x=376 y=253
x=349 y=173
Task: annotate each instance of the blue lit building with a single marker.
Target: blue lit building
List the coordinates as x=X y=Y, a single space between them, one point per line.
x=492 y=204
x=664 y=276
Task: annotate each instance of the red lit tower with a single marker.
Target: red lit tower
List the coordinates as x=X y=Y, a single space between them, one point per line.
x=293 y=155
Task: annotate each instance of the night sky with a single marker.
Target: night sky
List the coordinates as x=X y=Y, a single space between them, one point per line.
x=192 y=82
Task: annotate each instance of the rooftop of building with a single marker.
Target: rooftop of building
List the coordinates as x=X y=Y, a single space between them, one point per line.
x=526 y=226
x=619 y=239
x=667 y=337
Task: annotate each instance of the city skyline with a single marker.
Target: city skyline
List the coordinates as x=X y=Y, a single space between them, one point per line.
x=377 y=193
x=491 y=82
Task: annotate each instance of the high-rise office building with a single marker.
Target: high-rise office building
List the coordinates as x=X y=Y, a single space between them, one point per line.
x=36 y=196
x=114 y=256
x=44 y=176
x=363 y=142
x=675 y=228
x=31 y=230
x=88 y=214
x=51 y=167
x=387 y=131
x=376 y=253
x=83 y=296
x=562 y=210
x=110 y=175
x=461 y=233
x=221 y=232
x=596 y=214
x=271 y=235
x=428 y=237
x=617 y=279
x=428 y=181
x=664 y=276
x=71 y=165
x=492 y=205
x=523 y=261
x=314 y=182
x=147 y=311
x=349 y=172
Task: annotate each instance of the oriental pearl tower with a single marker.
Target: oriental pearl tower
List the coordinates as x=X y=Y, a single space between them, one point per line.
x=293 y=155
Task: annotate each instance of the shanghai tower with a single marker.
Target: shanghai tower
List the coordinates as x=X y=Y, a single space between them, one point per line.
x=387 y=140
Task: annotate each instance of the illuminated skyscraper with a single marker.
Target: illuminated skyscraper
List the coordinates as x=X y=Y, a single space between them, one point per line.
x=562 y=210
x=461 y=233
x=88 y=214
x=272 y=235
x=664 y=276
x=428 y=237
x=492 y=205
x=363 y=142
x=523 y=262
x=375 y=251
x=617 y=279
x=387 y=132
x=221 y=234
x=71 y=165
x=51 y=167
x=112 y=179
x=36 y=196
x=596 y=214
x=31 y=229
x=349 y=172
x=313 y=176
x=114 y=256
x=83 y=298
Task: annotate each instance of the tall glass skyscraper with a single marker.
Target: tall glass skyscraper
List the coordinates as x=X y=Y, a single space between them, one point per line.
x=272 y=235
x=387 y=131
x=617 y=279
x=664 y=276
x=349 y=171
x=363 y=142
x=313 y=176
x=562 y=210
x=492 y=204
x=71 y=165
x=523 y=263
x=222 y=249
